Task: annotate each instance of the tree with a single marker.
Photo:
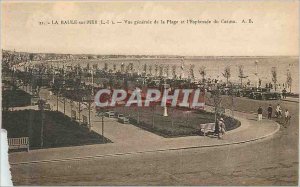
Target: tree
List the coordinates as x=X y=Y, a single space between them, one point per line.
x=289 y=80
x=105 y=66
x=145 y=69
x=216 y=100
x=156 y=69
x=241 y=74
x=174 y=71
x=31 y=56
x=227 y=73
x=161 y=70
x=125 y=84
x=167 y=71
x=131 y=67
x=111 y=83
x=122 y=67
x=202 y=71
x=274 y=76
x=192 y=75
x=127 y=69
x=150 y=69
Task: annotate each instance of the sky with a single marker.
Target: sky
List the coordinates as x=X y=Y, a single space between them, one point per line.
x=274 y=31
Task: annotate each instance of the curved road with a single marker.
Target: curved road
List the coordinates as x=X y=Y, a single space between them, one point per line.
x=272 y=161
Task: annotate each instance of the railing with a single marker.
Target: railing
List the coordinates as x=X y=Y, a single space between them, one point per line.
x=18 y=143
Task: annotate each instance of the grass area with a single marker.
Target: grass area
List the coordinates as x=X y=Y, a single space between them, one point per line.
x=15 y=98
x=58 y=131
x=180 y=122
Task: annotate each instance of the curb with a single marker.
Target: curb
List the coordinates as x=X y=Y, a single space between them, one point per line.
x=149 y=151
x=291 y=101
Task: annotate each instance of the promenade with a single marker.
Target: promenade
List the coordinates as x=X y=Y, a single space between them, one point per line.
x=129 y=139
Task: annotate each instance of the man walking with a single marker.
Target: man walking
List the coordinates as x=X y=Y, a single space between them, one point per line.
x=287 y=117
x=259 y=112
x=222 y=128
x=270 y=110
x=278 y=111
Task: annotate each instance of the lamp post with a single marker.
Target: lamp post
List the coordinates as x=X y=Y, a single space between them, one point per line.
x=256 y=73
x=165 y=107
x=89 y=100
x=57 y=99
x=41 y=107
x=63 y=86
x=101 y=114
x=79 y=110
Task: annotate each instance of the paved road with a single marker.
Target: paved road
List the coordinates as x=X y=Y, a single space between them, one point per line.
x=273 y=161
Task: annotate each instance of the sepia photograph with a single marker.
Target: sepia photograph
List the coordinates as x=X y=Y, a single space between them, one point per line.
x=150 y=93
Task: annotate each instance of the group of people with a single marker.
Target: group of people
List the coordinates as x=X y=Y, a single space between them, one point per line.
x=284 y=92
x=278 y=113
x=220 y=127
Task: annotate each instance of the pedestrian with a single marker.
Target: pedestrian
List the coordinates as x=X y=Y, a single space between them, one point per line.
x=259 y=112
x=217 y=129
x=278 y=111
x=287 y=117
x=222 y=128
x=270 y=110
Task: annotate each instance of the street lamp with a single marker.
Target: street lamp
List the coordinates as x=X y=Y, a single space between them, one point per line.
x=256 y=73
x=165 y=114
x=41 y=106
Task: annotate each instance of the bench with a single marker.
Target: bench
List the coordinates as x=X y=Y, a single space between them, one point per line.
x=84 y=120
x=18 y=143
x=207 y=127
x=110 y=114
x=73 y=114
x=123 y=119
x=47 y=107
x=34 y=100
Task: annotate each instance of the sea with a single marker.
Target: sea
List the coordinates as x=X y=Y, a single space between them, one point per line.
x=214 y=67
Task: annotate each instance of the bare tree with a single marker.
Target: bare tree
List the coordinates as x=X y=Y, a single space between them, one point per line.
x=167 y=70
x=131 y=67
x=105 y=68
x=156 y=69
x=274 y=76
x=216 y=99
x=122 y=67
x=174 y=71
x=202 y=71
x=192 y=75
x=161 y=70
x=145 y=69
x=95 y=66
x=127 y=69
x=150 y=69
x=227 y=73
x=241 y=74
x=289 y=80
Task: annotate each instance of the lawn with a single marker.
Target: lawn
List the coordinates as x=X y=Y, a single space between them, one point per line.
x=179 y=122
x=58 y=131
x=15 y=98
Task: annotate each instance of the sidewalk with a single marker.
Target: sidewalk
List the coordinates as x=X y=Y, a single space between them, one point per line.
x=129 y=139
x=291 y=99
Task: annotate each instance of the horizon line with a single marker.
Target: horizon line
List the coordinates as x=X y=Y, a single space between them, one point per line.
x=151 y=54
